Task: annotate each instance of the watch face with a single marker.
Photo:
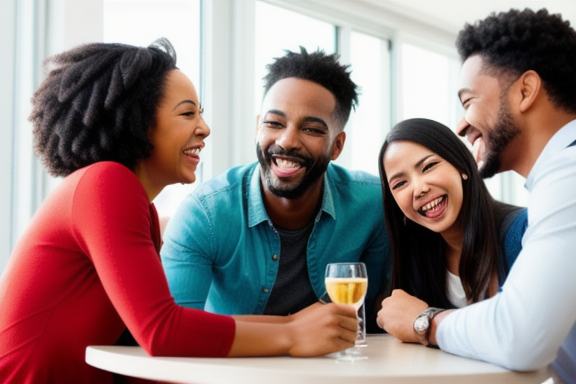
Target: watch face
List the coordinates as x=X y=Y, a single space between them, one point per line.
x=421 y=324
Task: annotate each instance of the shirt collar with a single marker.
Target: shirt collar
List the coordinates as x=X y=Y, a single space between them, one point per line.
x=256 y=210
x=560 y=140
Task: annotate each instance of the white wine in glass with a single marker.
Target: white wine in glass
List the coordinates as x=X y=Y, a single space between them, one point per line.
x=347 y=283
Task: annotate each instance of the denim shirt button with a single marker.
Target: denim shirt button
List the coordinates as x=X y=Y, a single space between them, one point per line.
x=274 y=257
x=265 y=290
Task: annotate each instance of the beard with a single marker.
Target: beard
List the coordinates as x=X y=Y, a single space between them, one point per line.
x=498 y=139
x=314 y=171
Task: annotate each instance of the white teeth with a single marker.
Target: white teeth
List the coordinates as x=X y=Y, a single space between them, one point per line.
x=431 y=205
x=286 y=164
x=193 y=151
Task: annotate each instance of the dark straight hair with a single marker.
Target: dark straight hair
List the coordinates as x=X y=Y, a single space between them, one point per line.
x=419 y=254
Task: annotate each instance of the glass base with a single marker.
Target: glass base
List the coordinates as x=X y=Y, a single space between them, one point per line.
x=350 y=355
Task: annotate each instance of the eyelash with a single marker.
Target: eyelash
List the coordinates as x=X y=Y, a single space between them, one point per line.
x=429 y=165
x=272 y=123
x=200 y=111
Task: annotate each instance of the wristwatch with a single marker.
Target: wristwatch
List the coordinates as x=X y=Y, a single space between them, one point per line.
x=423 y=324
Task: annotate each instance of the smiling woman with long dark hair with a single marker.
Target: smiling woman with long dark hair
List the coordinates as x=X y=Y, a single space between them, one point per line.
x=453 y=244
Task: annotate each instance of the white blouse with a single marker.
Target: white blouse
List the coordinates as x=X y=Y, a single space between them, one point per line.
x=455 y=290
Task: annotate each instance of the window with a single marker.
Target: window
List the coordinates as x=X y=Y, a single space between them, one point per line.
x=278 y=29
x=179 y=22
x=428 y=85
x=368 y=125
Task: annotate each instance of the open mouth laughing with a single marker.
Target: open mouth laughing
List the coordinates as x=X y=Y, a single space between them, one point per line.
x=434 y=208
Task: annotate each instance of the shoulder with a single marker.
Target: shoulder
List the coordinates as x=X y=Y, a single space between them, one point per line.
x=353 y=188
x=221 y=197
x=232 y=179
x=108 y=183
x=513 y=228
x=520 y=220
x=104 y=170
x=354 y=193
x=514 y=220
x=341 y=175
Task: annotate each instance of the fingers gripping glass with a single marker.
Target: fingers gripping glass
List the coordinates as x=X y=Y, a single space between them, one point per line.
x=347 y=283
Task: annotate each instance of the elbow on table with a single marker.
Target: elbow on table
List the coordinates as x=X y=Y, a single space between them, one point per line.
x=525 y=357
x=156 y=350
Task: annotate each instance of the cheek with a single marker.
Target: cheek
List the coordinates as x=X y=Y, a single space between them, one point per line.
x=404 y=200
x=457 y=195
x=481 y=115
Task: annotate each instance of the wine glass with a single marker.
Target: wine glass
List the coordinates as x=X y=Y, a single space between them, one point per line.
x=346 y=283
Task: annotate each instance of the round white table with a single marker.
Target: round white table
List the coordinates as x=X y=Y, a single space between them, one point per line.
x=389 y=361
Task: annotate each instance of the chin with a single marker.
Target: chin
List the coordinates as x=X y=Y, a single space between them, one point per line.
x=187 y=180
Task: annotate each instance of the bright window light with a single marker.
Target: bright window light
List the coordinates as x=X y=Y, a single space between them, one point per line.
x=141 y=22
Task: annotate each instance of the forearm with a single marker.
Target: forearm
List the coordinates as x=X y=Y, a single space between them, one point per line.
x=260 y=338
x=314 y=331
x=261 y=319
x=518 y=332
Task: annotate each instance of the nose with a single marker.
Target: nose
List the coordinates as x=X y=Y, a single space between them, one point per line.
x=288 y=138
x=202 y=129
x=420 y=188
x=462 y=126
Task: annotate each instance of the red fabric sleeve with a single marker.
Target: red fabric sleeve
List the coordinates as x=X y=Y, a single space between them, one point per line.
x=112 y=225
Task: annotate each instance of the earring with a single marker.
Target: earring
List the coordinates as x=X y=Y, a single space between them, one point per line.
x=404 y=220
x=464 y=176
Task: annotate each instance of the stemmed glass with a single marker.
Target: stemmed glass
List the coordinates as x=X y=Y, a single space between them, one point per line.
x=346 y=283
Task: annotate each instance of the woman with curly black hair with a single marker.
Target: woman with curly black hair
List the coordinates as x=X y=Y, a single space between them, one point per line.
x=121 y=123
x=453 y=244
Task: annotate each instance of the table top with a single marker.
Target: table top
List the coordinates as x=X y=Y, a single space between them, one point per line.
x=389 y=361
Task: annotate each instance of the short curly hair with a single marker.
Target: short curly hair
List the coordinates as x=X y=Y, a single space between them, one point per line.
x=97 y=103
x=320 y=68
x=517 y=41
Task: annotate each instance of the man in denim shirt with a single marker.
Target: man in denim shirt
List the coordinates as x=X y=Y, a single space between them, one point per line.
x=256 y=240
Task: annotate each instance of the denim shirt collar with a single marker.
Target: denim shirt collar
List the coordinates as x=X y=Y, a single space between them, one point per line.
x=256 y=210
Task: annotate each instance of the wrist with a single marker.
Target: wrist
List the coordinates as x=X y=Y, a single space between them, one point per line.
x=435 y=324
x=423 y=326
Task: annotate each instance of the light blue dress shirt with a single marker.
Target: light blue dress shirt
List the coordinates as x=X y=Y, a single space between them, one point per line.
x=523 y=327
x=221 y=251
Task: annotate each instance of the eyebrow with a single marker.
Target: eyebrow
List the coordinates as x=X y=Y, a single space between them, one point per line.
x=306 y=119
x=184 y=102
x=460 y=92
x=417 y=165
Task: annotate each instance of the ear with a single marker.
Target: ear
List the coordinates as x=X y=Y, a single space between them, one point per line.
x=530 y=86
x=338 y=145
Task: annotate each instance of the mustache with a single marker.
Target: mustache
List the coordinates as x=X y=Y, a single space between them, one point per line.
x=279 y=151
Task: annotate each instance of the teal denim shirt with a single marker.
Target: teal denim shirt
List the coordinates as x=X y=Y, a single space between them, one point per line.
x=221 y=250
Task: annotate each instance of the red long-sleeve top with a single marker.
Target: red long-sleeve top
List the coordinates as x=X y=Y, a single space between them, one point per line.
x=86 y=268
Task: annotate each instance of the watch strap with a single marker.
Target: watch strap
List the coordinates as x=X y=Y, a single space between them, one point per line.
x=424 y=337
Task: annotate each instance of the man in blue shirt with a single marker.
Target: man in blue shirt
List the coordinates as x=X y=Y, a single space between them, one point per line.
x=257 y=239
x=518 y=83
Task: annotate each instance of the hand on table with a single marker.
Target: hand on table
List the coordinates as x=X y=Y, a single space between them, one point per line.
x=398 y=313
